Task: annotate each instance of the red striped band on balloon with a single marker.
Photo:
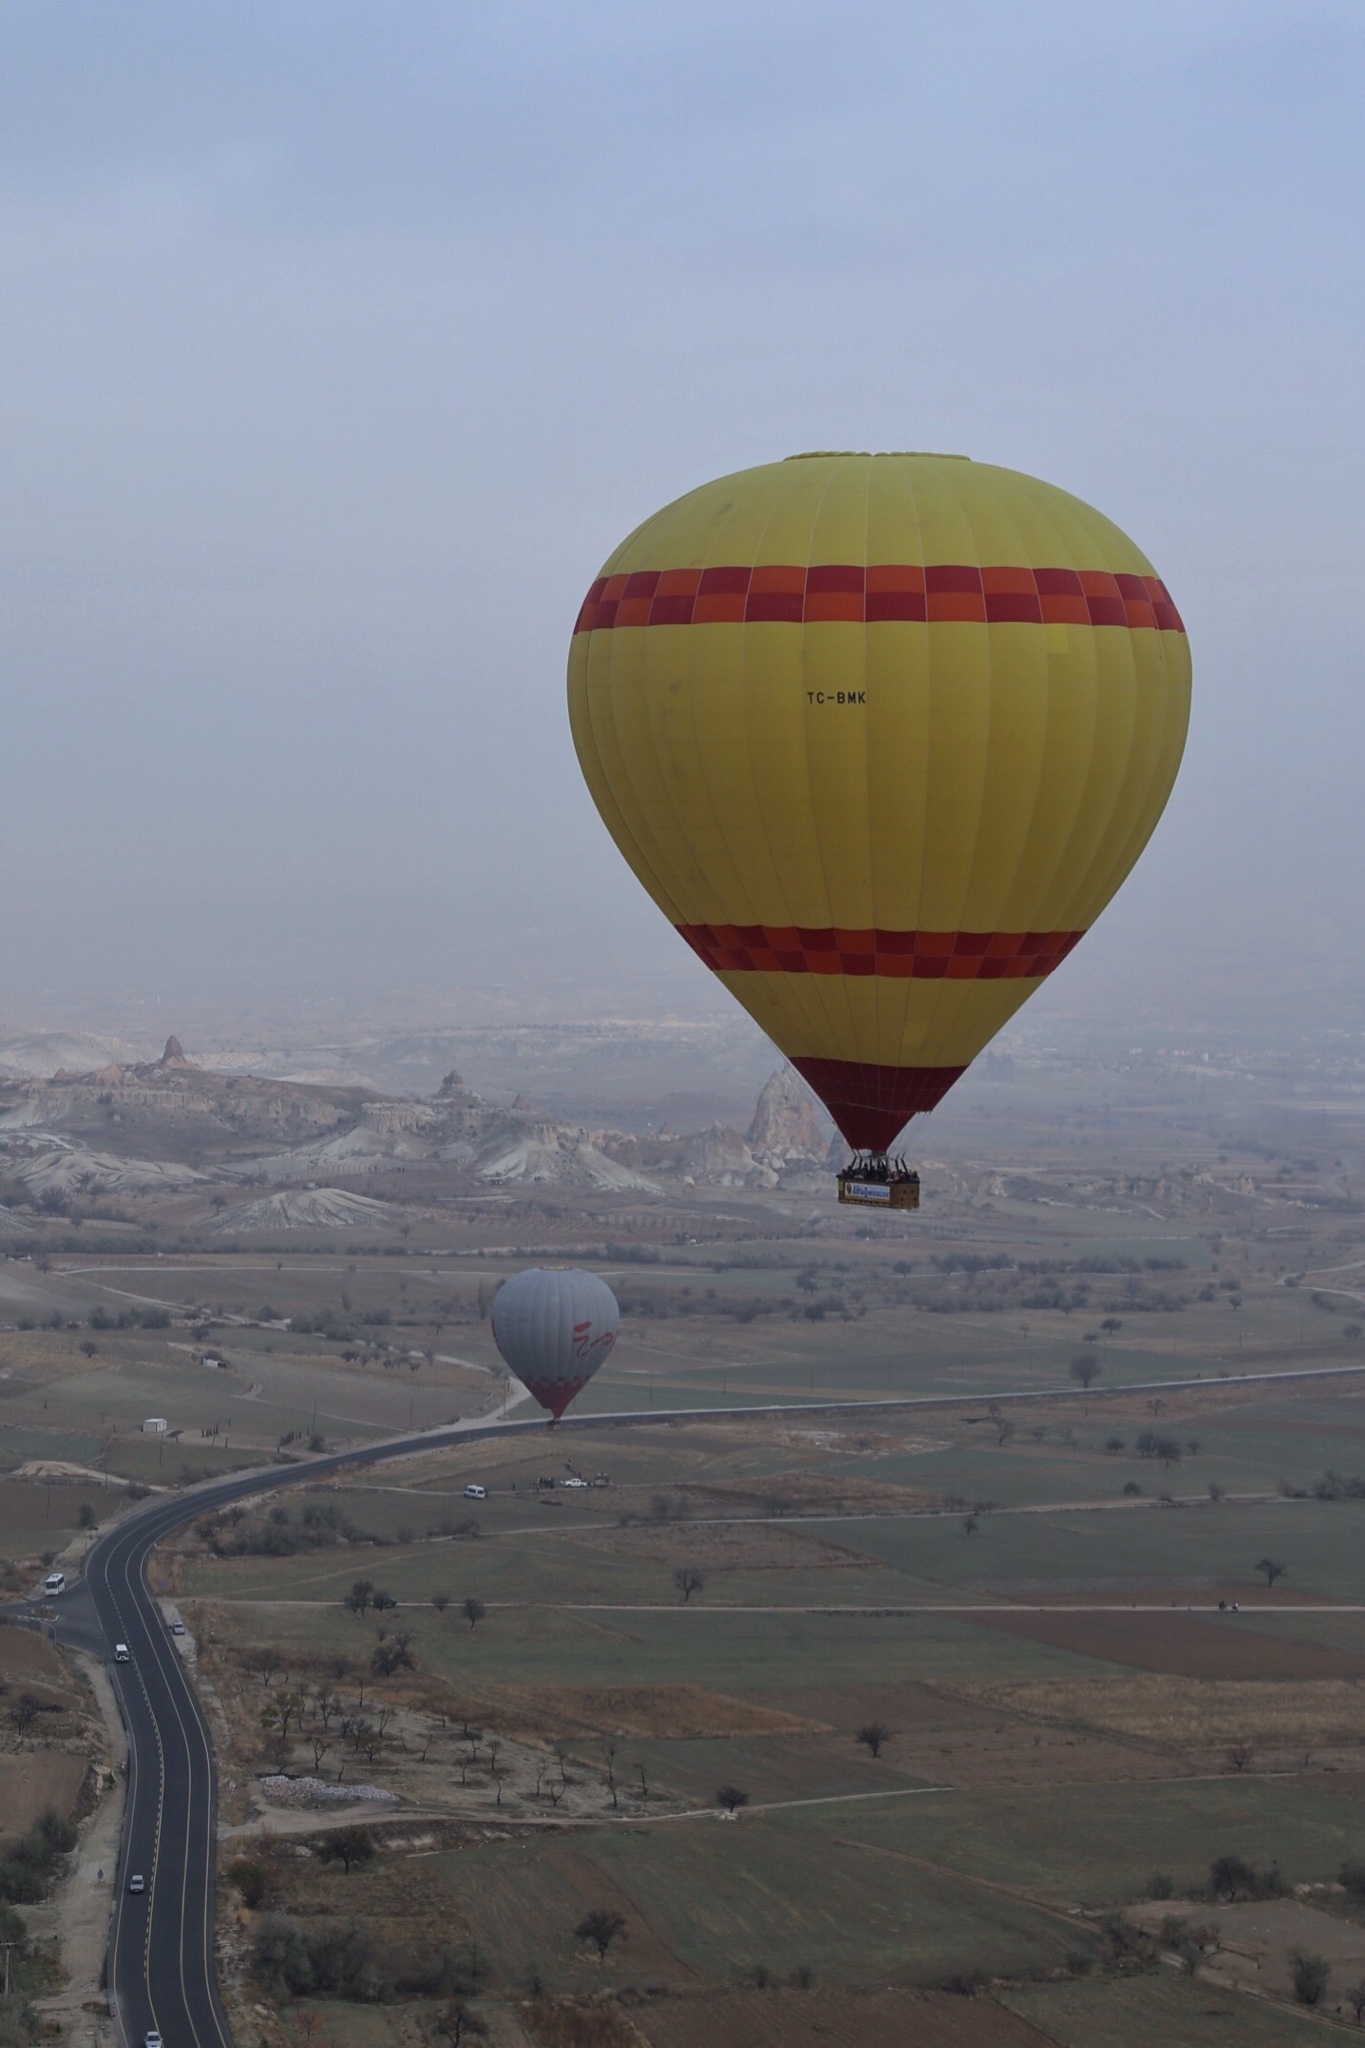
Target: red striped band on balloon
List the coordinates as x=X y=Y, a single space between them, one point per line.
x=886 y=591
x=897 y=956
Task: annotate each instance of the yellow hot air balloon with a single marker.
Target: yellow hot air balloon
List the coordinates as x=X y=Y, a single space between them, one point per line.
x=881 y=735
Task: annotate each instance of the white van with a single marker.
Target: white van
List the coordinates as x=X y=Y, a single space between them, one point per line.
x=55 y=1582
x=122 y=1654
x=476 y=1493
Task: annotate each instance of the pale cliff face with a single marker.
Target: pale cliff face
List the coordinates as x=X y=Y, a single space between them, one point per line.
x=788 y=1119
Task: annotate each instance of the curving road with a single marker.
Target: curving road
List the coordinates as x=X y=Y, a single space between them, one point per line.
x=161 y=1960
x=162 y=1970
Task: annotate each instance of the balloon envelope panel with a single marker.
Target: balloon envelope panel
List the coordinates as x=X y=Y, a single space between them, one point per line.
x=881 y=735
x=554 y=1330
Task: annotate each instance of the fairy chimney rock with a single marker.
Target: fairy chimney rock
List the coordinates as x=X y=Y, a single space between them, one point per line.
x=788 y=1119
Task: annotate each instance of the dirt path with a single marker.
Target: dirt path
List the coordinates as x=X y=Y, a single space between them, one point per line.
x=77 y=1916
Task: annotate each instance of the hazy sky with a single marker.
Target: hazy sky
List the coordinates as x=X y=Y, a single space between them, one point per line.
x=340 y=342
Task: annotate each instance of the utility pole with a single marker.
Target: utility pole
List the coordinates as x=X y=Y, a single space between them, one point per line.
x=8 y=1946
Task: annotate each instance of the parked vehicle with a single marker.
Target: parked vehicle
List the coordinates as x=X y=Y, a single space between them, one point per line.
x=55 y=1582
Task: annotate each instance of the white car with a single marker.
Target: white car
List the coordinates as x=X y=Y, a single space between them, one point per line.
x=177 y=1628
x=476 y=1493
x=151 y=2039
x=137 y=1883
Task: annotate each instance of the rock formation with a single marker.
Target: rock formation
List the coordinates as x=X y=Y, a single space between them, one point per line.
x=788 y=1122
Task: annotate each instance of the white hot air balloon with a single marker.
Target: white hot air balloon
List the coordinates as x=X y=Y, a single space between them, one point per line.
x=554 y=1330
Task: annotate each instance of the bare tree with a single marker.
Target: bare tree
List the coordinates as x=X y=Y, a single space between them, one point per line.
x=268 y=1662
x=395 y=1655
x=688 y=1581
x=601 y=1928
x=347 y=1846
x=731 y=1798
x=320 y=1749
x=359 y=1597
x=25 y=1712
x=289 y=1706
x=611 y=1776
x=1085 y=1369
x=1239 y=1755
x=457 y=2023
x=1271 y=1569
x=325 y=1704
x=873 y=1735
x=473 y=1610
x=440 y=1601
x=1355 y=1998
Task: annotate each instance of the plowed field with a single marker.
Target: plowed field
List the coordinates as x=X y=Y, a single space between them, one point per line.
x=1185 y=1645
x=831 y=2019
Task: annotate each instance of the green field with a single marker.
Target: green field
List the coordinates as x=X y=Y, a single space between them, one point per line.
x=858 y=1568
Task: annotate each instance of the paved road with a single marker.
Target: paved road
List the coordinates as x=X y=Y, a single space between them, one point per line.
x=162 y=1969
x=161 y=1950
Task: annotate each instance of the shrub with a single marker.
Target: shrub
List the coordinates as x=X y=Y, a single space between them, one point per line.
x=31 y=1863
x=1310 y=1975
x=449 y=1973
x=334 y=1959
x=249 y=1878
